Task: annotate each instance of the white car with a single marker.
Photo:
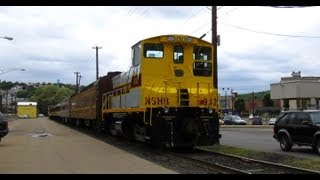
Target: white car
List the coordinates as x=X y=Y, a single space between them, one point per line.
x=272 y=121
x=23 y=116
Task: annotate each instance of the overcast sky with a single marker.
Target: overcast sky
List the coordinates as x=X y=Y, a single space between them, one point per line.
x=52 y=43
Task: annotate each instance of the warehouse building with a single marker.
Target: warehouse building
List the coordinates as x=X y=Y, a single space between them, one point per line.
x=27 y=109
x=297 y=92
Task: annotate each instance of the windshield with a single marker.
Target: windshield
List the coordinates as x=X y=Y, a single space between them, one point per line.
x=315 y=116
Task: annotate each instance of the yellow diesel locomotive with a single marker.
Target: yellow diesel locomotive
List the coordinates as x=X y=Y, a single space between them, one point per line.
x=167 y=97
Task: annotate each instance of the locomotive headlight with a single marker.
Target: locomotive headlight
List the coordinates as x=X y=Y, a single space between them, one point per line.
x=189 y=39
x=210 y=111
x=166 y=110
x=170 y=38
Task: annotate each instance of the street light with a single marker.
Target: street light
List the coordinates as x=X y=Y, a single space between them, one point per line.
x=7 y=38
x=3 y=71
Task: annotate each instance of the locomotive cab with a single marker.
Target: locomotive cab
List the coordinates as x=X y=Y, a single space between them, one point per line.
x=167 y=96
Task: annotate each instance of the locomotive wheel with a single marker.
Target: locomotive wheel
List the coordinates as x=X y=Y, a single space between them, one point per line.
x=128 y=129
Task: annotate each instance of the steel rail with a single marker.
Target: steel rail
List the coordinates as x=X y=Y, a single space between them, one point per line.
x=302 y=170
x=211 y=166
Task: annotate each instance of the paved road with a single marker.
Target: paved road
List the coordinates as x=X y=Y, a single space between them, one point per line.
x=260 y=139
x=42 y=146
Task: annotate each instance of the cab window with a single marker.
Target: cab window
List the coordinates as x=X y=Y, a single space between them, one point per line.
x=202 y=53
x=153 y=50
x=136 y=55
x=202 y=69
x=178 y=54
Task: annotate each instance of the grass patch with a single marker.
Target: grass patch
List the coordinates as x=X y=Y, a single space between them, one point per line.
x=266 y=156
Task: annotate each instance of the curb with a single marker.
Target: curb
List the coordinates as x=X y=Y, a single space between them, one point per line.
x=246 y=126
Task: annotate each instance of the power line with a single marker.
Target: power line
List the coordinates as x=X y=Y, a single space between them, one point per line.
x=132 y=10
x=228 y=12
x=194 y=14
x=145 y=11
x=200 y=28
x=269 y=33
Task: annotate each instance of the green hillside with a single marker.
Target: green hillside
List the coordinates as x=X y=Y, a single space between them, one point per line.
x=258 y=95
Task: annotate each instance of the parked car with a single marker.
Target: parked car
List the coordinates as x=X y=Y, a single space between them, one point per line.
x=300 y=128
x=256 y=120
x=221 y=122
x=272 y=121
x=23 y=116
x=4 y=130
x=231 y=119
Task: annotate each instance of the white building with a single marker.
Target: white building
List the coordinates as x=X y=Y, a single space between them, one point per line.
x=297 y=92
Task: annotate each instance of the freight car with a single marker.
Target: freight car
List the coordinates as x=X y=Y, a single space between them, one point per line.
x=166 y=98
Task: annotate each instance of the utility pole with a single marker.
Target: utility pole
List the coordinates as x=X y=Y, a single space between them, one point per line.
x=7 y=92
x=214 y=42
x=77 y=81
x=232 y=101
x=97 y=60
x=253 y=103
x=0 y=100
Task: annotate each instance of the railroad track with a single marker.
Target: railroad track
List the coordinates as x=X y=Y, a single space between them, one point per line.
x=200 y=161
x=231 y=164
x=214 y=167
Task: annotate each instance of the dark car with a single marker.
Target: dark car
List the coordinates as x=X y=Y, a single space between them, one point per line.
x=3 y=126
x=231 y=119
x=256 y=120
x=300 y=128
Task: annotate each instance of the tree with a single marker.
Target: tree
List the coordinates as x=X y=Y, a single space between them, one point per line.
x=48 y=95
x=4 y=85
x=239 y=105
x=267 y=101
x=27 y=92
